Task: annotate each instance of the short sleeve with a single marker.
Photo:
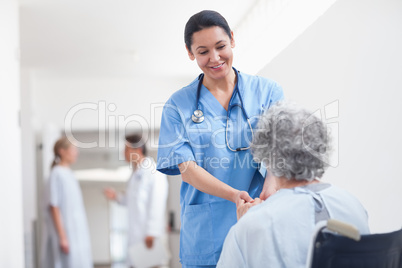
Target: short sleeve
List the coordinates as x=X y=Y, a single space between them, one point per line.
x=276 y=94
x=55 y=188
x=174 y=146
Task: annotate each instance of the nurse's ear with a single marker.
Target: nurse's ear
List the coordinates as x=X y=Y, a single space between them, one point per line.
x=232 y=41
x=190 y=54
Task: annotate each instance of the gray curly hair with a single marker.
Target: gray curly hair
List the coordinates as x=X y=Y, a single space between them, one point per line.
x=291 y=142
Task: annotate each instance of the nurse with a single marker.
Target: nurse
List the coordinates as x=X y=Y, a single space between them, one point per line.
x=205 y=136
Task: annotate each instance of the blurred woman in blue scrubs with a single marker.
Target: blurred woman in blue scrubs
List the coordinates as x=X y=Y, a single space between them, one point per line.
x=205 y=136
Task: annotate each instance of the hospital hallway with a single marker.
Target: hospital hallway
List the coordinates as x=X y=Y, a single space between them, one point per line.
x=96 y=71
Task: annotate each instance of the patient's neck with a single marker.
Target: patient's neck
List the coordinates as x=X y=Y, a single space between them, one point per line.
x=284 y=183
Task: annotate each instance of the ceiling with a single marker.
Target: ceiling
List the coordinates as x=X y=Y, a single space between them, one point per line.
x=131 y=54
x=107 y=38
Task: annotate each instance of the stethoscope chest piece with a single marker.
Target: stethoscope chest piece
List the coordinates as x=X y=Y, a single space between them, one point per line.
x=198 y=116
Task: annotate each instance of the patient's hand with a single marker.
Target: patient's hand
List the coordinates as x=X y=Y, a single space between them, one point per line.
x=243 y=206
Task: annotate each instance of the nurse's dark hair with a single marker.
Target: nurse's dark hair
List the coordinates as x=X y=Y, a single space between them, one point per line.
x=135 y=141
x=202 y=20
x=62 y=143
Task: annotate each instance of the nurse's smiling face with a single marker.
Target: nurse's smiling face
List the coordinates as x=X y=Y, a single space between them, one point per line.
x=212 y=49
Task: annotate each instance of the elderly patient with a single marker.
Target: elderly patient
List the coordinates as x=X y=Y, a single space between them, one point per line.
x=294 y=146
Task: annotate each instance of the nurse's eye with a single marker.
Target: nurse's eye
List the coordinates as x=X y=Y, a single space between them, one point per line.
x=222 y=47
x=203 y=52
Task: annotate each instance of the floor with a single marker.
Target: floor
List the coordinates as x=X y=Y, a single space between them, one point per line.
x=110 y=266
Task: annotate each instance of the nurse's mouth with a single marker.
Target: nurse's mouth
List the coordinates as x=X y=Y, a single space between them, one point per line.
x=216 y=67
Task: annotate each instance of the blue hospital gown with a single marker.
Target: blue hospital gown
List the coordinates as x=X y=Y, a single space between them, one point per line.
x=277 y=233
x=63 y=191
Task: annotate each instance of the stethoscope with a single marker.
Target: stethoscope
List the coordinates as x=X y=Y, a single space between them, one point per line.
x=198 y=115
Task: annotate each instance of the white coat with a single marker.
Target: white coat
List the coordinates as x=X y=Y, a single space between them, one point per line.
x=145 y=198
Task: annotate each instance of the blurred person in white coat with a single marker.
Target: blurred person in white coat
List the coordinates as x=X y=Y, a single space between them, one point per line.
x=145 y=198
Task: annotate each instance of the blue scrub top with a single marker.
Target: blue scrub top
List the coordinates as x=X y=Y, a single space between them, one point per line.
x=206 y=219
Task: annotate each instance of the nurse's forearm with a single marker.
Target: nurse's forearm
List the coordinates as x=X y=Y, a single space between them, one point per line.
x=202 y=180
x=58 y=222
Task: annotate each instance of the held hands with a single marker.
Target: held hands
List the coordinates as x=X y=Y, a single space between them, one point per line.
x=244 y=202
x=241 y=195
x=243 y=206
x=149 y=241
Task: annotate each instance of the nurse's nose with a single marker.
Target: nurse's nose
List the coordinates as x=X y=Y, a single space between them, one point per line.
x=214 y=56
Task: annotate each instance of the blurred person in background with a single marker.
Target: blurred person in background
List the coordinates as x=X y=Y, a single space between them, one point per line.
x=67 y=241
x=145 y=198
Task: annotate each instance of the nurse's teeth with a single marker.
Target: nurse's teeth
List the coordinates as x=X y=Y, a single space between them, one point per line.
x=217 y=66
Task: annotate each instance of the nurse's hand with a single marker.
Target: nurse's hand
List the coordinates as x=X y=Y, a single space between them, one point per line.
x=149 y=241
x=243 y=207
x=242 y=196
x=64 y=245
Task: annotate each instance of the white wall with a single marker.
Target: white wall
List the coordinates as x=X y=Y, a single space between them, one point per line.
x=11 y=222
x=270 y=26
x=353 y=54
x=44 y=158
x=29 y=169
x=55 y=97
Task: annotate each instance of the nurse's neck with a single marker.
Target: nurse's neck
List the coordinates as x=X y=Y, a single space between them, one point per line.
x=222 y=88
x=224 y=84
